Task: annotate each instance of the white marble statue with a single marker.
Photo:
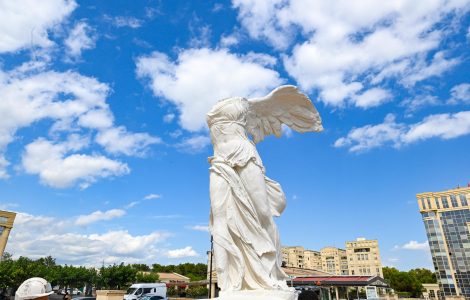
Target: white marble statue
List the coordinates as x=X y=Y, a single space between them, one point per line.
x=243 y=200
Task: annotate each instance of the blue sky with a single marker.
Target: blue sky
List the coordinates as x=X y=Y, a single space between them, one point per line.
x=103 y=143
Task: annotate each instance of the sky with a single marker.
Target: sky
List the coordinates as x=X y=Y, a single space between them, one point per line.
x=104 y=146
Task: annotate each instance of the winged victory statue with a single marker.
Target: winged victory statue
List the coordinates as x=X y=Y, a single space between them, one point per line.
x=244 y=200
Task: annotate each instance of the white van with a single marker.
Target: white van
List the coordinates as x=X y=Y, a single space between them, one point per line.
x=137 y=290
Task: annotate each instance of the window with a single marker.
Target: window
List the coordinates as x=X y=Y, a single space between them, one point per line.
x=1 y=230
x=423 y=204
x=445 y=204
x=429 y=202
x=3 y=220
x=437 y=202
x=453 y=199
x=463 y=200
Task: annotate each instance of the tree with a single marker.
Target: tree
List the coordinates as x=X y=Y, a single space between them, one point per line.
x=147 y=277
x=117 y=276
x=403 y=281
x=423 y=275
x=141 y=267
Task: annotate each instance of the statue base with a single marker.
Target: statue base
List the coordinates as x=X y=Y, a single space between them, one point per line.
x=258 y=295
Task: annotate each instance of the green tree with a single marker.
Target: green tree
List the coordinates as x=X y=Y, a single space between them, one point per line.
x=117 y=276
x=146 y=277
x=423 y=275
x=141 y=267
x=403 y=282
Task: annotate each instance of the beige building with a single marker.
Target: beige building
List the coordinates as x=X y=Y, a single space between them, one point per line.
x=364 y=257
x=312 y=260
x=334 y=260
x=293 y=256
x=6 y=224
x=361 y=257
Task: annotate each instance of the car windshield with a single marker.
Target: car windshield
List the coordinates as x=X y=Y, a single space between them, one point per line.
x=145 y=298
x=131 y=291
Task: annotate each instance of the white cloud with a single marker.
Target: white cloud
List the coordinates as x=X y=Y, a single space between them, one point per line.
x=72 y=102
x=414 y=245
x=352 y=46
x=182 y=253
x=152 y=196
x=59 y=170
x=168 y=118
x=24 y=23
x=420 y=101
x=444 y=126
x=371 y=136
x=460 y=94
x=200 y=228
x=84 y=220
x=200 y=77
x=39 y=236
x=122 y=21
x=229 y=40
x=80 y=38
x=372 y=97
x=194 y=144
x=148 y=197
x=117 y=140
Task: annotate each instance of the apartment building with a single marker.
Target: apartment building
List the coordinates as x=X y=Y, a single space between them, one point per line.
x=361 y=257
x=446 y=217
x=364 y=257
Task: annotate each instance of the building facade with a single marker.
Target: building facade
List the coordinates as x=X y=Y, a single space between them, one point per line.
x=312 y=260
x=446 y=217
x=6 y=224
x=361 y=257
x=334 y=260
x=364 y=257
x=293 y=256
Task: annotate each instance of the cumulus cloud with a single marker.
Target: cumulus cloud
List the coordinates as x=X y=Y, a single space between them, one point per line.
x=21 y=26
x=414 y=245
x=348 y=48
x=39 y=236
x=84 y=220
x=80 y=38
x=182 y=253
x=444 y=126
x=117 y=140
x=198 y=78
x=59 y=170
x=74 y=103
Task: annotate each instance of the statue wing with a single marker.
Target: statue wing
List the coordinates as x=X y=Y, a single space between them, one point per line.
x=284 y=105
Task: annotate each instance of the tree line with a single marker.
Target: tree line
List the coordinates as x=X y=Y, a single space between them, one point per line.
x=118 y=276
x=408 y=284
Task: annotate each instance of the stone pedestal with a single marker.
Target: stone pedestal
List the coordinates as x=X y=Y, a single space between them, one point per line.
x=110 y=294
x=258 y=295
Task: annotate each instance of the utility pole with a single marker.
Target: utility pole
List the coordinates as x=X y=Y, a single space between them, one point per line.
x=210 y=267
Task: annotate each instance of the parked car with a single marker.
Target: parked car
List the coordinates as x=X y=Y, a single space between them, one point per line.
x=153 y=297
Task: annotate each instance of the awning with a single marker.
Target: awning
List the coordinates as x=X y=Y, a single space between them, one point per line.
x=344 y=280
